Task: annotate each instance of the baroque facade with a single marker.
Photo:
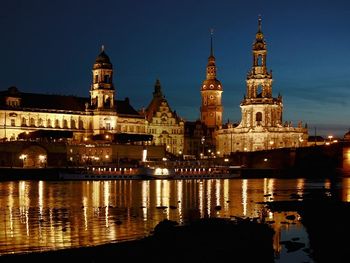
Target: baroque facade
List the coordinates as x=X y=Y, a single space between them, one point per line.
x=164 y=124
x=261 y=126
x=100 y=114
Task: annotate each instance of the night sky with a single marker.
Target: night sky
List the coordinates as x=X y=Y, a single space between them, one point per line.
x=50 y=47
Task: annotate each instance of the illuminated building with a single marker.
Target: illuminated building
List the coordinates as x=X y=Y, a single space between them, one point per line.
x=164 y=124
x=85 y=117
x=261 y=126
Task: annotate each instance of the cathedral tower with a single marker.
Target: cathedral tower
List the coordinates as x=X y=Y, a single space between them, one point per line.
x=211 y=109
x=102 y=89
x=259 y=108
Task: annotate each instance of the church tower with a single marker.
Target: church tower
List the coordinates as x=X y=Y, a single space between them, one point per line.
x=102 y=90
x=259 y=108
x=211 y=109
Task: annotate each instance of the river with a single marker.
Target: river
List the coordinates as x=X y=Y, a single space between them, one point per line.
x=50 y=215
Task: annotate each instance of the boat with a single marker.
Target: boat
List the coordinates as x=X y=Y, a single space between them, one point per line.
x=113 y=173
x=215 y=172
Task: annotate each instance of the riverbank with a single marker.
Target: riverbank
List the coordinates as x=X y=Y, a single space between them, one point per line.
x=326 y=220
x=204 y=240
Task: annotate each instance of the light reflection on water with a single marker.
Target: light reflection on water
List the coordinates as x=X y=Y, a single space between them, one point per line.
x=44 y=215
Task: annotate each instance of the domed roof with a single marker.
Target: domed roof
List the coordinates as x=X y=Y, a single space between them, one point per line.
x=102 y=60
x=211 y=84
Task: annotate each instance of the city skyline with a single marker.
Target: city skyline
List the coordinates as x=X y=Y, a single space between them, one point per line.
x=51 y=47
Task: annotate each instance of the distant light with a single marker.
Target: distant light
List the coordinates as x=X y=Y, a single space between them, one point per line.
x=85 y=138
x=107 y=156
x=265 y=160
x=164 y=159
x=107 y=136
x=335 y=140
x=42 y=157
x=226 y=160
x=23 y=156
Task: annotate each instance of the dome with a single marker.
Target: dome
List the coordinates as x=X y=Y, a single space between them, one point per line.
x=102 y=61
x=211 y=84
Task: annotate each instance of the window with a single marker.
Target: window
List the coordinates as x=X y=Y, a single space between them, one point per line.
x=259 y=60
x=65 y=124
x=48 y=123
x=108 y=126
x=106 y=79
x=32 y=122
x=57 y=123
x=13 y=122
x=259 y=92
x=258 y=117
x=40 y=122
x=24 y=121
x=96 y=78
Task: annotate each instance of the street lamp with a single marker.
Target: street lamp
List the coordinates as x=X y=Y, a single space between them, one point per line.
x=202 y=142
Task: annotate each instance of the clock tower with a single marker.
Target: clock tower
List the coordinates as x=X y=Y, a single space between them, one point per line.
x=211 y=107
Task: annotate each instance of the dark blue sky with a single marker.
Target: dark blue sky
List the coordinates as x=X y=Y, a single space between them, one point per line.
x=50 y=47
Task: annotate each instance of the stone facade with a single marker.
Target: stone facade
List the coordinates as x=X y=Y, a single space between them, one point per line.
x=100 y=114
x=261 y=126
x=164 y=124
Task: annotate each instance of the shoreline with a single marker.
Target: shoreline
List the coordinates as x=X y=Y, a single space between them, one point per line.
x=203 y=240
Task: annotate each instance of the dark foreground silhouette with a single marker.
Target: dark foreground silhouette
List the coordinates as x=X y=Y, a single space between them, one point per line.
x=205 y=240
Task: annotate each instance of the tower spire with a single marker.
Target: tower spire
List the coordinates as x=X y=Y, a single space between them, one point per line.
x=259 y=23
x=102 y=48
x=211 y=42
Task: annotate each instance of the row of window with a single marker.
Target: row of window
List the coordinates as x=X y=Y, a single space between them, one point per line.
x=49 y=123
x=173 y=131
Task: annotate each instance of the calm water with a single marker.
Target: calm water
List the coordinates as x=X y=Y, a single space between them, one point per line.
x=43 y=215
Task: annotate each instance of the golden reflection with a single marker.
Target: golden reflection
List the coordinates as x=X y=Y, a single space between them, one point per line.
x=208 y=195
x=10 y=206
x=106 y=200
x=96 y=195
x=346 y=190
x=85 y=205
x=217 y=191
x=24 y=202
x=81 y=213
x=244 y=195
x=201 y=199
x=226 y=194
x=145 y=194
x=180 y=199
x=300 y=186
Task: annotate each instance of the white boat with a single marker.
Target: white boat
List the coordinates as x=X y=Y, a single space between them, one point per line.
x=109 y=173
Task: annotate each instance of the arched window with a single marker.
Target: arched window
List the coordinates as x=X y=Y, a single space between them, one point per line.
x=81 y=125
x=72 y=124
x=57 y=123
x=259 y=60
x=259 y=91
x=32 y=122
x=65 y=124
x=24 y=121
x=49 y=123
x=40 y=122
x=258 y=117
